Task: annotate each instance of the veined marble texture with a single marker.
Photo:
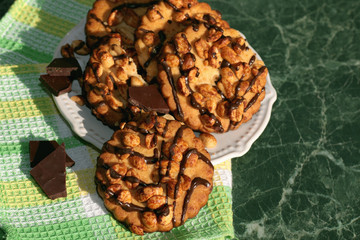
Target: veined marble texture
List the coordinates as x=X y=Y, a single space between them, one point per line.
x=301 y=178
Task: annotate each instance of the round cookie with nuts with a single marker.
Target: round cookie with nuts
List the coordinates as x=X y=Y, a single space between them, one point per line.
x=162 y=21
x=154 y=174
x=115 y=16
x=107 y=77
x=211 y=78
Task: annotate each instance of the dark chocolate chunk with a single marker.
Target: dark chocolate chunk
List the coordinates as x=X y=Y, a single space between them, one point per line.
x=56 y=85
x=41 y=149
x=50 y=173
x=67 y=67
x=148 y=98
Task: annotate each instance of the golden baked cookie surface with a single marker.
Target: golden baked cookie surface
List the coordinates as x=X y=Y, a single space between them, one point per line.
x=154 y=174
x=211 y=79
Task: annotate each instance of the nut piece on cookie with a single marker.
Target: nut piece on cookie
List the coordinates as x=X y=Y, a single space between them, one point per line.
x=208 y=140
x=141 y=186
x=217 y=68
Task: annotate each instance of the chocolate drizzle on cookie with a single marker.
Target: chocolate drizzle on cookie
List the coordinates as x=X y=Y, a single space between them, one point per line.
x=134 y=5
x=156 y=50
x=172 y=5
x=124 y=150
x=193 y=184
x=203 y=111
x=170 y=77
x=253 y=100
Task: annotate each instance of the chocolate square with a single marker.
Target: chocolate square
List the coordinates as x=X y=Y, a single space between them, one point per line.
x=56 y=85
x=148 y=98
x=50 y=173
x=40 y=149
x=66 y=67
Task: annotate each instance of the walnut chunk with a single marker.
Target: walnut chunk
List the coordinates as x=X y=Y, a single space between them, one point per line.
x=156 y=202
x=136 y=82
x=115 y=18
x=208 y=140
x=153 y=14
x=208 y=91
x=213 y=35
x=112 y=190
x=150 y=140
x=236 y=113
x=130 y=139
x=191 y=160
x=106 y=59
x=80 y=47
x=97 y=69
x=145 y=193
x=182 y=45
x=228 y=79
x=149 y=39
x=124 y=196
x=79 y=99
x=215 y=58
x=166 y=149
x=185 y=182
x=193 y=75
x=208 y=120
x=188 y=62
x=67 y=51
x=116 y=172
x=202 y=48
x=149 y=219
x=114 y=103
x=138 y=162
x=172 y=60
x=197 y=100
x=136 y=229
x=222 y=42
x=180 y=16
x=230 y=55
x=182 y=85
x=211 y=105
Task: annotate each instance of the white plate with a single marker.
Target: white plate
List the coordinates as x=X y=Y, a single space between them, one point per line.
x=83 y=123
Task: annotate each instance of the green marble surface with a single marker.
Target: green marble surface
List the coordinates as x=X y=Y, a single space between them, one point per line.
x=301 y=178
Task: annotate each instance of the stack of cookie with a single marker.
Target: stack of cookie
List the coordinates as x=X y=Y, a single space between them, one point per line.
x=158 y=71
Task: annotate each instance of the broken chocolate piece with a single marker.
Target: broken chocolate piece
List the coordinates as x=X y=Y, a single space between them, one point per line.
x=66 y=67
x=40 y=149
x=148 y=98
x=50 y=173
x=56 y=85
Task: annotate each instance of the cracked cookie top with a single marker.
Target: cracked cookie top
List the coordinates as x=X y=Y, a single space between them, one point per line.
x=154 y=174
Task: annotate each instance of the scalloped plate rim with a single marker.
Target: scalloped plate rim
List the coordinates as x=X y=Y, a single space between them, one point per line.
x=70 y=111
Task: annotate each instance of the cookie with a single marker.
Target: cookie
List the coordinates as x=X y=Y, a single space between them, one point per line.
x=211 y=79
x=109 y=16
x=162 y=21
x=154 y=174
x=108 y=75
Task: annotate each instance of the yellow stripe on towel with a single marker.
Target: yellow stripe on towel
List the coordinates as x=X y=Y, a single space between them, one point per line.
x=40 y=19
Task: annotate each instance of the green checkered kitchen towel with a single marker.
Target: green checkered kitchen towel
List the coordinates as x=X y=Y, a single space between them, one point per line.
x=30 y=31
